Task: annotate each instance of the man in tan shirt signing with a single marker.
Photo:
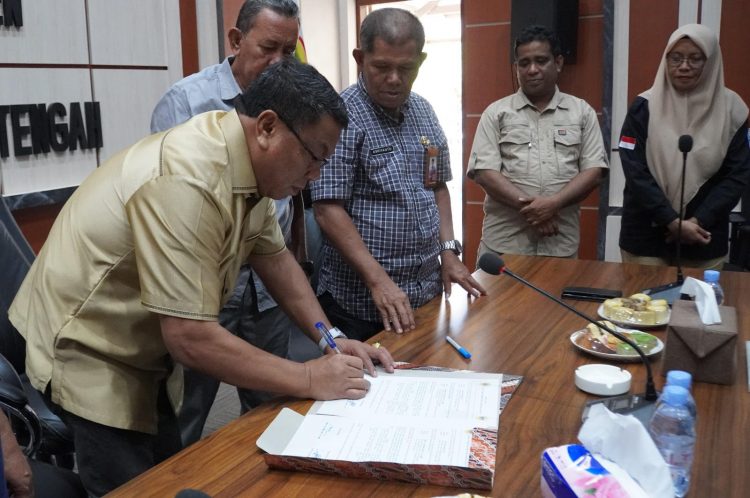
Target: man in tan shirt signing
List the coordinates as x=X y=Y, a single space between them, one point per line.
x=137 y=266
x=537 y=154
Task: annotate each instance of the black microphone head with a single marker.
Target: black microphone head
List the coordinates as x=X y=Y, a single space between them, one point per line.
x=491 y=263
x=685 y=143
x=191 y=493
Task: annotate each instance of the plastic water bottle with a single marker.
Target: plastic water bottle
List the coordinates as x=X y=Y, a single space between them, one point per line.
x=711 y=277
x=672 y=428
x=682 y=379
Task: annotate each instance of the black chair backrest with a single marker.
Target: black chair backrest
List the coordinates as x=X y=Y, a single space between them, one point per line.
x=16 y=257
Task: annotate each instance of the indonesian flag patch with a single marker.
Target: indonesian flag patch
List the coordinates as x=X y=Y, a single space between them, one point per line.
x=627 y=142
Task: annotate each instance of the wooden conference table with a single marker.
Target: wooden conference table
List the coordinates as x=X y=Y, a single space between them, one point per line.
x=513 y=330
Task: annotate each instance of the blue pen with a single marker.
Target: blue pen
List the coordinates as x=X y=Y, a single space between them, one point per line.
x=327 y=336
x=463 y=352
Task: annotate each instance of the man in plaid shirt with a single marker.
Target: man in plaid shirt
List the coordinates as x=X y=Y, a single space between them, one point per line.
x=381 y=200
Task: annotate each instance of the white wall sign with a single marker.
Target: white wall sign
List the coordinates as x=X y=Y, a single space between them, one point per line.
x=80 y=80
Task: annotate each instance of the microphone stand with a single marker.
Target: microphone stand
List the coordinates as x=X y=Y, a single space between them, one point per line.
x=678 y=260
x=671 y=291
x=641 y=406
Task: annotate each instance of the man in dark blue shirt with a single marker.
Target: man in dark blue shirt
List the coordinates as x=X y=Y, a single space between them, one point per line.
x=382 y=201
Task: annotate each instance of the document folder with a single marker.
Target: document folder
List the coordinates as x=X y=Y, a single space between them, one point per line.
x=473 y=469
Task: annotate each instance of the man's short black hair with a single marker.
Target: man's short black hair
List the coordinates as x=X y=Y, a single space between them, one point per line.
x=538 y=33
x=393 y=26
x=297 y=92
x=251 y=8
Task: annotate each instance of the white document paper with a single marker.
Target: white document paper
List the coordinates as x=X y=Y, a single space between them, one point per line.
x=413 y=417
x=472 y=403
x=370 y=440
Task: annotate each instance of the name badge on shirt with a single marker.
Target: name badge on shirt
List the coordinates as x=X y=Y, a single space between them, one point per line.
x=430 y=163
x=381 y=150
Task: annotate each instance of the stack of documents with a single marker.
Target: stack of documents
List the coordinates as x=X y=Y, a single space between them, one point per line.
x=417 y=425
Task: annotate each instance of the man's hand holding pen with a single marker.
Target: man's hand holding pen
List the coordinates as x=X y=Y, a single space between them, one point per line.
x=336 y=376
x=340 y=372
x=367 y=354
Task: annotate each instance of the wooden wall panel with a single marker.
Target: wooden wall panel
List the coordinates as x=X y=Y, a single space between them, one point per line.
x=585 y=78
x=651 y=23
x=485 y=11
x=589 y=229
x=589 y=8
x=231 y=8
x=735 y=41
x=487 y=68
x=473 y=217
x=189 y=39
x=35 y=223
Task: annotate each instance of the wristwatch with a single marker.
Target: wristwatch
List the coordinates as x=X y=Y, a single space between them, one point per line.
x=335 y=332
x=451 y=245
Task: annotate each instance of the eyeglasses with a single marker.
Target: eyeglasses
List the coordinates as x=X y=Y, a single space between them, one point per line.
x=693 y=61
x=315 y=158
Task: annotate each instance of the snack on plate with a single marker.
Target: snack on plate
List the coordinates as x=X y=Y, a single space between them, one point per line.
x=604 y=342
x=638 y=308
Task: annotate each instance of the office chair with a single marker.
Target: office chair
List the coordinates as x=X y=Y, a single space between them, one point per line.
x=49 y=481
x=13 y=401
x=43 y=435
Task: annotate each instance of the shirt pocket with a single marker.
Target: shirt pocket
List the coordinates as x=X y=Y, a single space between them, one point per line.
x=515 y=149
x=567 y=139
x=383 y=173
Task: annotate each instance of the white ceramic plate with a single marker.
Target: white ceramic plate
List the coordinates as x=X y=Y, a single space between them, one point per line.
x=633 y=324
x=580 y=339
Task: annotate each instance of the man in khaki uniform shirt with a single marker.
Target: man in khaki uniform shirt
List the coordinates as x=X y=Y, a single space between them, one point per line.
x=537 y=154
x=143 y=255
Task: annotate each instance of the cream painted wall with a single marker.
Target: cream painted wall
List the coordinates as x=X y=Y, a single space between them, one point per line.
x=320 y=30
x=208 y=39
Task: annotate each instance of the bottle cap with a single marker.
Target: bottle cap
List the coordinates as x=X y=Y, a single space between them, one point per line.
x=674 y=395
x=711 y=276
x=679 y=378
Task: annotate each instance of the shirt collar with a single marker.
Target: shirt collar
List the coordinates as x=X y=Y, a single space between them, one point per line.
x=243 y=176
x=227 y=83
x=520 y=100
x=379 y=109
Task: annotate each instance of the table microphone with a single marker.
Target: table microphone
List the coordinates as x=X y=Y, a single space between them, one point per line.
x=671 y=292
x=191 y=493
x=685 y=144
x=639 y=405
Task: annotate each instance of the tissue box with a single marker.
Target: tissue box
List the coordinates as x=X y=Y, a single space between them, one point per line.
x=708 y=352
x=570 y=471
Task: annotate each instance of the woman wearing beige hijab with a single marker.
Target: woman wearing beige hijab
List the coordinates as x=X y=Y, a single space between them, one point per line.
x=688 y=98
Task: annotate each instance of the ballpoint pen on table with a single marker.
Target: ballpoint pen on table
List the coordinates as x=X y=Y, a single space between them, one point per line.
x=327 y=336
x=461 y=350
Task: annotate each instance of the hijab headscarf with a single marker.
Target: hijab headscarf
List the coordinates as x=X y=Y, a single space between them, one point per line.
x=711 y=113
